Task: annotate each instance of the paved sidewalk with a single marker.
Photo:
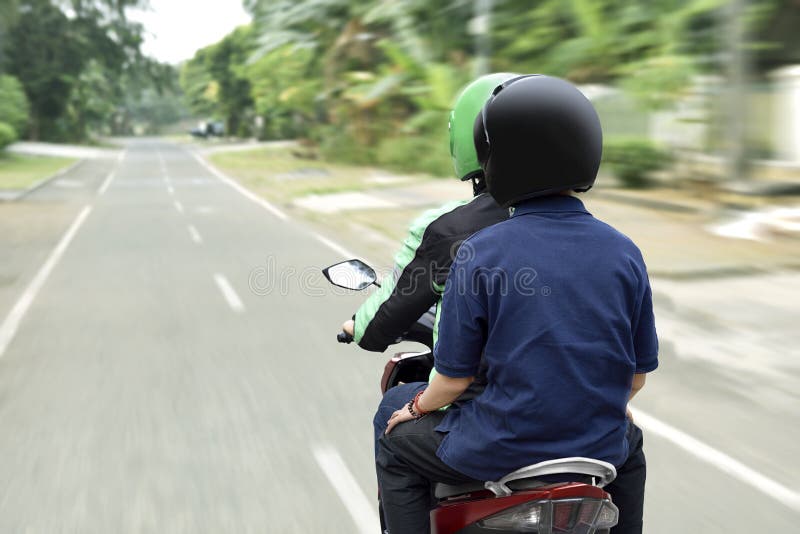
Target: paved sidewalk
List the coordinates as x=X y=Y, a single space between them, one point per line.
x=674 y=232
x=36 y=148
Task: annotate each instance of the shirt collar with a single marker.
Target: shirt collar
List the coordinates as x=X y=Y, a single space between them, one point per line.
x=550 y=204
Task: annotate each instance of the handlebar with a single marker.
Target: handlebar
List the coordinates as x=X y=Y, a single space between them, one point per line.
x=344 y=337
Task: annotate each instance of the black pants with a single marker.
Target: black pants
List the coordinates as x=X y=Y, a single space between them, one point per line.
x=627 y=490
x=407 y=468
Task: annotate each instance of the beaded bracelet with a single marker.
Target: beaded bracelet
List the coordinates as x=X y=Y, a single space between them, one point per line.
x=410 y=407
x=413 y=407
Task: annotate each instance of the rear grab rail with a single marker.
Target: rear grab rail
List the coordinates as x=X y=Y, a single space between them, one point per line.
x=603 y=472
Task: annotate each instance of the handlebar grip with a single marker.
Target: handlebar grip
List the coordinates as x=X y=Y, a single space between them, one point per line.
x=344 y=337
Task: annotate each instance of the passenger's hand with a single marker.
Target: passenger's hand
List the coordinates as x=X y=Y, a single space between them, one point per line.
x=349 y=327
x=398 y=417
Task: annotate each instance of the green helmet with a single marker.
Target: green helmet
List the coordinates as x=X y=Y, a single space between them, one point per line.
x=462 y=120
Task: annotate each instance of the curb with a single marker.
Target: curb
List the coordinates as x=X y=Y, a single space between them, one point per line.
x=715 y=273
x=17 y=195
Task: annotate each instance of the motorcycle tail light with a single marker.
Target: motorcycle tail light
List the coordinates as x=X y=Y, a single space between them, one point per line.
x=608 y=516
x=526 y=517
x=562 y=516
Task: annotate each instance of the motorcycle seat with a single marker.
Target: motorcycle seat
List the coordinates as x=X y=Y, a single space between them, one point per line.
x=573 y=469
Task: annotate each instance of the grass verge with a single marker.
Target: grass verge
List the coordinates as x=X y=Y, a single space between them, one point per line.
x=279 y=175
x=20 y=171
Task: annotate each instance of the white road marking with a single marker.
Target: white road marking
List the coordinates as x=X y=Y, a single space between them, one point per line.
x=178 y=206
x=272 y=209
x=228 y=292
x=170 y=190
x=122 y=155
x=195 y=235
x=346 y=254
x=163 y=167
x=205 y=210
x=9 y=326
x=106 y=183
x=361 y=509
x=718 y=459
x=337 y=248
x=238 y=187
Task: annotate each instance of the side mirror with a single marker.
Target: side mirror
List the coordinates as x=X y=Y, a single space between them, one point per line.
x=351 y=274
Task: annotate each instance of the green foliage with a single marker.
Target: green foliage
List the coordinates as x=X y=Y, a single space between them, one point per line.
x=633 y=160
x=152 y=100
x=199 y=90
x=46 y=59
x=72 y=67
x=652 y=47
x=13 y=103
x=7 y=135
x=372 y=82
x=215 y=81
x=284 y=91
x=415 y=153
x=225 y=63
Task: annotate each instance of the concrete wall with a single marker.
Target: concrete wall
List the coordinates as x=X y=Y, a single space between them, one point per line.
x=786 y=113
x=771 y=112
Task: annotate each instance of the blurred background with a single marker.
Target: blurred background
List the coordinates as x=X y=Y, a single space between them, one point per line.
x=167 y=354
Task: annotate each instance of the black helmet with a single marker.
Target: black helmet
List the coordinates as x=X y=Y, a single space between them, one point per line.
x=537 y=135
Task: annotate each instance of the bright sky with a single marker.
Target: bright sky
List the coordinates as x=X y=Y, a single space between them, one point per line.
x=175 y=29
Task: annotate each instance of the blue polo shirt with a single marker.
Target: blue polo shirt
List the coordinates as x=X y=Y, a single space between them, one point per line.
x=559 y=304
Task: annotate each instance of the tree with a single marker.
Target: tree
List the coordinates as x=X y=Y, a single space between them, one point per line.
x=13 y=104
x=153 y=100
x=47 y=59
x=215 y=81
x=373 y=80
x=65 y=63
x=226 y=63
x=199 y=87
x=284 y=90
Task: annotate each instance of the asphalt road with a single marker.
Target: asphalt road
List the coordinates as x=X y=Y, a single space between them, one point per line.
x=168 y=364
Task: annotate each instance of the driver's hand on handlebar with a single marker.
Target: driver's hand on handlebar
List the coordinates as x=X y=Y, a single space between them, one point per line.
x=349 y=327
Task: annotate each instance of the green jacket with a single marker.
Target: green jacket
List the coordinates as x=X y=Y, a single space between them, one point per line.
x=421 y=269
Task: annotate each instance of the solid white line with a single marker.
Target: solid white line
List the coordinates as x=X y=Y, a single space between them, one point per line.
x=178 y=206
x=718 y=459
x=106 y=183
x=9 y=327
x=170 y=190
x=195 y=235
x=238 y=187
x=269 y=207
x=335 y=247
x=361 y=509
x=230 y=295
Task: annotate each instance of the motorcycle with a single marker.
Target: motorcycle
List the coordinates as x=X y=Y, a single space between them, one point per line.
x=521 y=501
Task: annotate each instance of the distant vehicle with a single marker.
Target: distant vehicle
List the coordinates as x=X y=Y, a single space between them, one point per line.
x=208 y=129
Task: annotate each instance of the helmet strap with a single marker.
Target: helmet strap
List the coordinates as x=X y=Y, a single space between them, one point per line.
x=478 y=184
